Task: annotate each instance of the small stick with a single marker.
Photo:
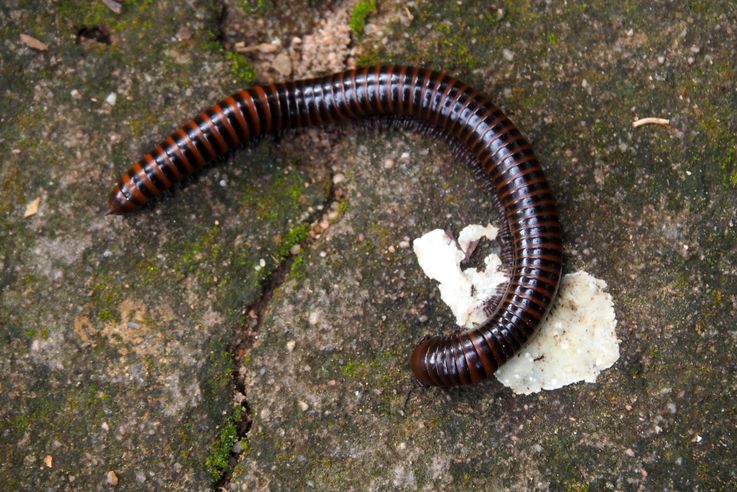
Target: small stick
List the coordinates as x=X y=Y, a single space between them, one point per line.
x=651 y=121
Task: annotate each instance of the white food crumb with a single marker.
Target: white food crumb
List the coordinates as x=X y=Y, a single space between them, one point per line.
x=576 y=342
x=465 y=291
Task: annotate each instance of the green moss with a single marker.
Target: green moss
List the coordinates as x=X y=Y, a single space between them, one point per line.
x=373 y=57
x=106 y=298
x=254 y=7
x=272 y=206
x=242 y=69
x=295 y=235
x=361 y=11
x=196 y=255
x=729 y=165
x=218 y=460
x=33 y=332
x=297 y=270
x=454 y=48
x=350 y=369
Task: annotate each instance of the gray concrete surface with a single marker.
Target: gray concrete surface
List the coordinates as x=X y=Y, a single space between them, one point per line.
x=136 y=351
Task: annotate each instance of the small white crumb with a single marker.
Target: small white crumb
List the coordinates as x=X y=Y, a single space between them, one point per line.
x=111 y=98
x=290 y=345
x=338 y=178
x=32 y=207
x=303 y=406
x=507 y=54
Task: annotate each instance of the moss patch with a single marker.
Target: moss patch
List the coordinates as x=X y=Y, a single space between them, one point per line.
x=295 y=235
x=361 y=11
x=242 y=69
x=218 y=461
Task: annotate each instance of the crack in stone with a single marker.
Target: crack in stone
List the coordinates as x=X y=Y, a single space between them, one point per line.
x=244 y=334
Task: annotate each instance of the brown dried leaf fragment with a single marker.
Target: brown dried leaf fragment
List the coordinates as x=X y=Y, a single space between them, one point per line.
x=33 y=43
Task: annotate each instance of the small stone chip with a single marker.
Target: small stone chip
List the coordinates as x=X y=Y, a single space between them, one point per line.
x=33 y=43
x=49 y=460
x=290 y=345
x=112 y=478
x=303 y=406
x=32 y=207
x=113 y=5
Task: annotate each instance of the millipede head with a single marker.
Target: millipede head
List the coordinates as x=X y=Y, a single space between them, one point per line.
x=118 y=203
x=418 y=365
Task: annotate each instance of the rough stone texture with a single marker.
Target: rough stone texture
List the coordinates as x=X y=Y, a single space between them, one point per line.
x=118 y=331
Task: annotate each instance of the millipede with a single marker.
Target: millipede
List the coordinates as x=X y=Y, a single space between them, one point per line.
x=427 y=100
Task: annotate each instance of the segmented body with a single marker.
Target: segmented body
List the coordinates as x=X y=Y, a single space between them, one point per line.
x=434 y=100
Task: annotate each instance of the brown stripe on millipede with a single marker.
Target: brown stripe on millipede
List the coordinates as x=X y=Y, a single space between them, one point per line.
x=434 y=101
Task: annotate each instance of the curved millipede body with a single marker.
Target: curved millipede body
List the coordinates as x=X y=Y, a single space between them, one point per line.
x=431 y=100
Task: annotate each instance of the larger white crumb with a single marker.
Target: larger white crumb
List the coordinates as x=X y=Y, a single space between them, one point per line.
x=464 y=291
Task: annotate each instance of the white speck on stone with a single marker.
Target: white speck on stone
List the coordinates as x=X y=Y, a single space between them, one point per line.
x=464 y=291
x=578 y=339
x=111 y=98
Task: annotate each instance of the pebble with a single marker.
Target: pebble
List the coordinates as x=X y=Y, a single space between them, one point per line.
x=282 y=64
x=112 y=478
x=507 y=54
x=338 y=178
